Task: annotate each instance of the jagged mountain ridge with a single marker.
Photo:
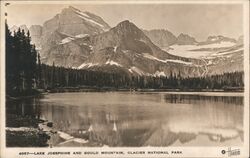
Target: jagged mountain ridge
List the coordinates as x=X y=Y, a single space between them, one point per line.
x=83 y=40
x=219 y=53
x=70 y=23
x=185 y=39
x=164 y=38
x=217 y=39
x=126 y=47
x=161 y=37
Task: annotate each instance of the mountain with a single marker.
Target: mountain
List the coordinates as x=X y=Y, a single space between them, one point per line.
x=36 y=33
x=14 y=28
x=69 y=25
x=72 y=21
x=125 y=48
x=160 y=37
x=164 y=38
x=185 y=39
x=220 y=54
x=53 y=38
x=22 y=27
x=218 y=39
x=83 y=40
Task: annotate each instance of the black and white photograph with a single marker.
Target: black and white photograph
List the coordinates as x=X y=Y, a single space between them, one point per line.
x=128 y=75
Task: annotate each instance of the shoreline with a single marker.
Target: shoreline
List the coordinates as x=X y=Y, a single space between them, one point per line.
x=24 y=131
x=110 y=89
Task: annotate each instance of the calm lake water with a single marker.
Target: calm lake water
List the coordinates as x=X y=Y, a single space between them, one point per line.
x=140 y=119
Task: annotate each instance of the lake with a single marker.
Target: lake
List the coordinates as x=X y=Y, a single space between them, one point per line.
x=139 y=119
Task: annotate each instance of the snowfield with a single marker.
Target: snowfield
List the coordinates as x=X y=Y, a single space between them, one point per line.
x=81 y=35
x=159 y=73
x=66 y=40
x=193 y=51
x=87 y=18
x=167 y=60
x=111 y=62
x=136 y=70
x=88 y=65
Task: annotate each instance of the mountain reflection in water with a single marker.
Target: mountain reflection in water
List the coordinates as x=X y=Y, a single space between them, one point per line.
x=142 y=119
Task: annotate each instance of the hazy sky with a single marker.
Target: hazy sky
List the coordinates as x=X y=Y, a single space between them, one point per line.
x=198 y=20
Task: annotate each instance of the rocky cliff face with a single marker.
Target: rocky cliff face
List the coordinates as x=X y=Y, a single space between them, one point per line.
x=162 y=38
x=184 y=39
x=71 y=24
x=72 y=21
x=36 y=33
x=126 y=48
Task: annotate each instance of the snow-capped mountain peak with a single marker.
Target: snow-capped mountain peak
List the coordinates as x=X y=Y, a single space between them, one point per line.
x=86 y=17
x=83 y=40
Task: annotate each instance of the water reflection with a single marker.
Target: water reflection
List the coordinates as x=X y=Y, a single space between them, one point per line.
x=197 y=99
x=28 y=107
x=140 y=119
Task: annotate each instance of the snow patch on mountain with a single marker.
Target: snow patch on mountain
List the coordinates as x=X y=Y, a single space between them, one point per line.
x=136 y=70
x=71 y=38
x=159 y=73
x=82 y=35
x=91 y=47
x=115 y=48
x=142 y=40
x=87 y=18
x=91 y=21
x=125 y=51
x=111 y=62
x=194 y=51
x=146 y=55
x=66 y=40
x=130 y=70
x=82 y=13
x=179 y=61
x=209 y=63
x=167 y=60
x=88 y=65
x=214 y=39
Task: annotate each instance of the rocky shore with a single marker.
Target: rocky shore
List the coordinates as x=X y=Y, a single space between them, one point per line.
x=24 y=131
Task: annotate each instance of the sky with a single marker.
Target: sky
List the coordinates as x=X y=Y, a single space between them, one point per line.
x=197 y=20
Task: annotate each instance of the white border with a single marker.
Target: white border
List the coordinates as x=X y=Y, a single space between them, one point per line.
x=187 y=151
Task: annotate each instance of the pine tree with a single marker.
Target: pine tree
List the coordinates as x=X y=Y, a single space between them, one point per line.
x=10 y=60
x=39 y=71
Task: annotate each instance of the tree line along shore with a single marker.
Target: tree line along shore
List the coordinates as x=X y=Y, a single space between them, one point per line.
x=25 y=75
